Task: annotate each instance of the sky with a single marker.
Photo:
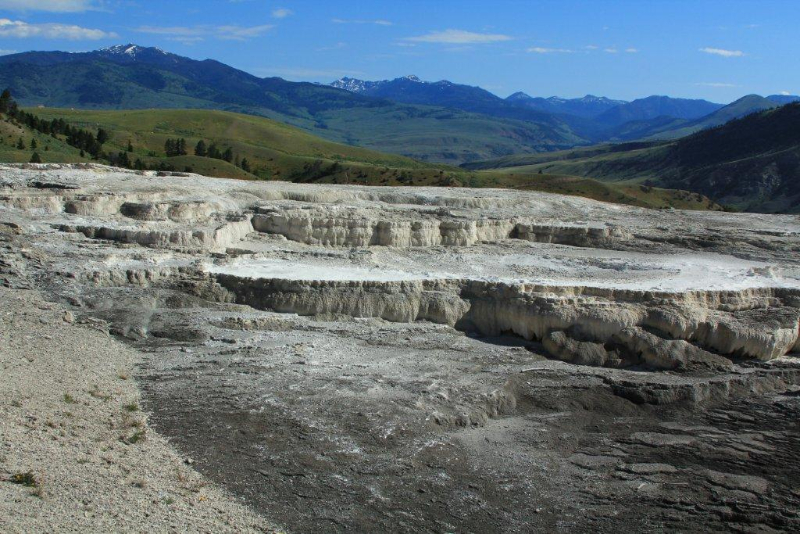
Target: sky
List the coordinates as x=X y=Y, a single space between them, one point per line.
x=719 y=50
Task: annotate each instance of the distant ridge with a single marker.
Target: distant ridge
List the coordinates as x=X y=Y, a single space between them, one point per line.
x=589 y=106
x=657 y=106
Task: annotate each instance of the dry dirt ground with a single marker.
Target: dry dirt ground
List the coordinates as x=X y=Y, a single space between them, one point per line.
x=348 y=359
x=71 y=420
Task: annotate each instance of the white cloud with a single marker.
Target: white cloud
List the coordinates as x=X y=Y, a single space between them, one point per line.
x=187 y=40
x=9 y=52
x=192 y=34
x=379 y=22
x=610 y=50
x=722 y=52
x=591 y=47
x=337 y=46
x=785 y=93
x=632 y=50
x=53 y=6
x=716 y=84
x=542 y=50
x=459 y=37
x=22 y=30
x=282 y=13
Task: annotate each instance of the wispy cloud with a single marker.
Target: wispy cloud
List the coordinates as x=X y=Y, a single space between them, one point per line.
x=543 y=50
x=716 y=84
x=610 y=50
x=785 y=93
x=338 y=46
x=189 y=34
x=282 y=13
x=22 y=30
x=459 y=37
x=379 y=22
x=4 y=52
x=53 y=6
x=632 y=50
x=722 y=52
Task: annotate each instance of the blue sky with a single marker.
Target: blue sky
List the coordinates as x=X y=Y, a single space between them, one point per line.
x=713 y=49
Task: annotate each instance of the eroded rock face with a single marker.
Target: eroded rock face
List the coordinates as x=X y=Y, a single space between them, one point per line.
x=404 y=329
x=663 y=311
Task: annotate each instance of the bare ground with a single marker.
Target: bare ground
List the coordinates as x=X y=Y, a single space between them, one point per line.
x=70 y=418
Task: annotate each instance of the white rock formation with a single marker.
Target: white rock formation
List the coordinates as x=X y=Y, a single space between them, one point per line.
x=594 y=282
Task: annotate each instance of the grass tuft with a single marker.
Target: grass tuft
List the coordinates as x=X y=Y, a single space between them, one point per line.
x=27 y=479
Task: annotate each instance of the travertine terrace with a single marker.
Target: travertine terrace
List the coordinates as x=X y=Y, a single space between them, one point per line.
x=347 y=357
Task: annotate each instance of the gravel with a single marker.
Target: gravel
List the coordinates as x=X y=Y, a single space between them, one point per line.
x=70 y=418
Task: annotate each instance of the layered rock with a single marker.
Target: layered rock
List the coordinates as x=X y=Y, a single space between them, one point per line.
x=556 y=315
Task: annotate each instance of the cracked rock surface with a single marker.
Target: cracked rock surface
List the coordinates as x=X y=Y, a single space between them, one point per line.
x=396 y=359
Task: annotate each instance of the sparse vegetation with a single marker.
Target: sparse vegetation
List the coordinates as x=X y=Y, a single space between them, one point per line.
x=135 y=437
x=27 y=479
x=97 y=394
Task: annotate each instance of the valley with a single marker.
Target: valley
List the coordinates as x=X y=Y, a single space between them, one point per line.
x=275 y=151
x=750 y=163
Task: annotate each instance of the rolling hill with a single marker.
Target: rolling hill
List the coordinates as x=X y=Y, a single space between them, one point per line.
x=276 y=151
x=752 y=163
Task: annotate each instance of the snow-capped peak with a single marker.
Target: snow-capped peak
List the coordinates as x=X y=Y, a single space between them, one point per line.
x=130 y=50
x=352 y=84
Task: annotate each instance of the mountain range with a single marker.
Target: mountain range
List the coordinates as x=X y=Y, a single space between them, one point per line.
x=593 y=118
x=135 y=77
x=429 y=121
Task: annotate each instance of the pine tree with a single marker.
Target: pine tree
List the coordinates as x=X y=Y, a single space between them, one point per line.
x=83 y=154
x=213 y=151
x=138 y=165
x=182 y=147
x=228 y=155
x=21 y=144
x=5 y=101
x=245 y=165
x=36 y=158
x=200 y=149
x=130 y=146
x=34 y=144
x=102 y=136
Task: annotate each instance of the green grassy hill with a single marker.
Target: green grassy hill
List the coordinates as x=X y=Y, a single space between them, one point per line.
x=751 y=163
x=276 y=151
